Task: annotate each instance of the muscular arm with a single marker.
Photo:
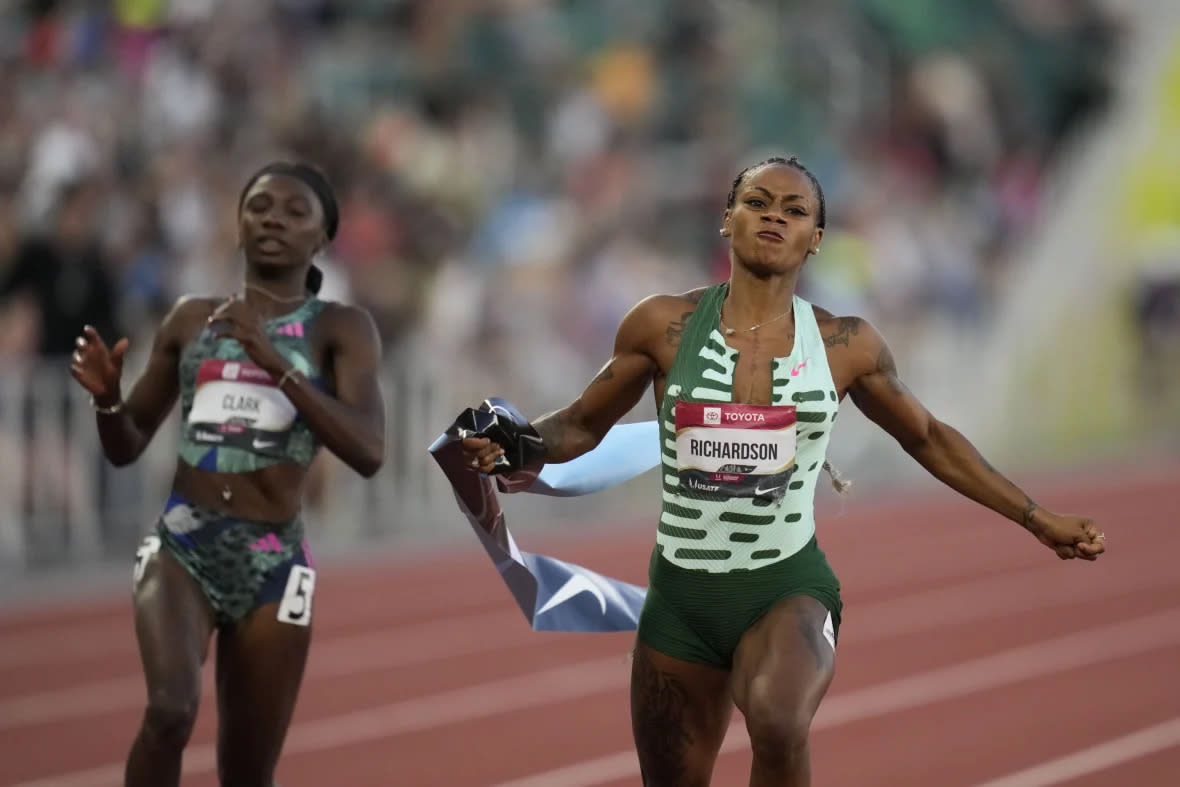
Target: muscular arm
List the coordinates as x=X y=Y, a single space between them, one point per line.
x=124 y=435
x=350 y=424
x=939 y=448
x=576 y=429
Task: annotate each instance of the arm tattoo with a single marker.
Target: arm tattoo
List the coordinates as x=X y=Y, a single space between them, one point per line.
x=606 y=374
x=1030 y=507
x=846 y=328
x=887 y=367
x=675 y=330
x=1029 y=510
x=558 y=431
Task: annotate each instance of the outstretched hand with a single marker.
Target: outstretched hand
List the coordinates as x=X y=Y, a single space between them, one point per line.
x=98 y=368
x=1068 y=535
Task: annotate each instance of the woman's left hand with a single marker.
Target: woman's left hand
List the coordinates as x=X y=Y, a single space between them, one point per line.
x=1068 y=535
x=236 y=319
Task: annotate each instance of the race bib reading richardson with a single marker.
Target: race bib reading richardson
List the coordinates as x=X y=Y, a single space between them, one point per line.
x=238 y=405
x=735 y=450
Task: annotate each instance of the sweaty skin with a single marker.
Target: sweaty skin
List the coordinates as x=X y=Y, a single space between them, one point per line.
x=777 y=201
x=782 y=665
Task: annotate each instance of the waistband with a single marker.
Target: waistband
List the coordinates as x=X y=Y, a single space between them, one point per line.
x=183 y=516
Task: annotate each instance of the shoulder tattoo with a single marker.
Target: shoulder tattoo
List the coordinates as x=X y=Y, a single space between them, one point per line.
x=846 y=328
x=675 y=330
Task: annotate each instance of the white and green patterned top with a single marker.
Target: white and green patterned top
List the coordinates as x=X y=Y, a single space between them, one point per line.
x=267 y=430
x=719 y=533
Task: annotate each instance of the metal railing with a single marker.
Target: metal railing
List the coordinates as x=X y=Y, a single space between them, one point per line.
x=62 y=505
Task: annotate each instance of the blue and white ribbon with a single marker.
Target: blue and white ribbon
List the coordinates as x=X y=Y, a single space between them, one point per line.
x=554 y=595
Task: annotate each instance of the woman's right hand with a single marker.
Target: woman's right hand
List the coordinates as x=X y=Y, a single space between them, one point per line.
x=480 y=453
x=98 y=368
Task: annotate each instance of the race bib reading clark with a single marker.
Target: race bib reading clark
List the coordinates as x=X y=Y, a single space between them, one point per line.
x=238 y=405
x=735 y=450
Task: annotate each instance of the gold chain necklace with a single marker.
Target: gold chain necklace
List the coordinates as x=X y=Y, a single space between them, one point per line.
x=273 y=297
x=731 y=331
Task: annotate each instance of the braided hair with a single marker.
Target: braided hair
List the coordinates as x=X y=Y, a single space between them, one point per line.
x=794 y=164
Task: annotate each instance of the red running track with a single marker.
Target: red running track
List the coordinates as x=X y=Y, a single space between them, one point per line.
x=969 y=656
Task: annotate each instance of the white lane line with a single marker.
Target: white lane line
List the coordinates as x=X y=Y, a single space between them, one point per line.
x=588 y=678
x=1096 y=758
x=1093 y=646
x=336 y=656
x=399 y=718
x=340 y=656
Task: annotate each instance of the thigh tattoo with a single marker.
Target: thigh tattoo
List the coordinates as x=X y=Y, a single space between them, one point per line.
x=659 y=709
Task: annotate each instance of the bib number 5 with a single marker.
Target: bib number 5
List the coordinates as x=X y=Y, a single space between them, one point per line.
x=295 y=607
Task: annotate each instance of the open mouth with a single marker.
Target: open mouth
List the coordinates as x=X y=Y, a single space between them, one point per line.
x=269 y=245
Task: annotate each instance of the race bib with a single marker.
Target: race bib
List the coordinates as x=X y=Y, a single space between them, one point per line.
x=735 y=450
x=295 y=607
x=238 y=405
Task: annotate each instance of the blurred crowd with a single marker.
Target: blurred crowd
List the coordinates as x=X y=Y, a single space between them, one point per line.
x=515 y=174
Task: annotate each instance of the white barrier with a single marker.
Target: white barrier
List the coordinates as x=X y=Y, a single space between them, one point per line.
x=62 y=503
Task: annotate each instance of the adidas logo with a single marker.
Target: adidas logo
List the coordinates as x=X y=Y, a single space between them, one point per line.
x=291 y=329
x=268 y=543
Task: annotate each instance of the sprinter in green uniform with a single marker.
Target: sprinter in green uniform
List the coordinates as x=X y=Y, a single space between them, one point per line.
x=743 y=607
x=264 y=379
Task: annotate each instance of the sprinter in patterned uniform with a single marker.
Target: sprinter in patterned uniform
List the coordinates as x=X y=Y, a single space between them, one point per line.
x=263 y=380
x=743 y=607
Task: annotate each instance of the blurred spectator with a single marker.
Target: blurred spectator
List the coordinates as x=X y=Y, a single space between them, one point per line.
x=513 y=176
x=1157 y=320
x=65 y=275
x=520 y=173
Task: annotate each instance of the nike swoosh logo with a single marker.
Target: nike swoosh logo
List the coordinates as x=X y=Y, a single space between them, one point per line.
x=758 y=490
x=799 y=367
x=259 y=445
x=572 y=587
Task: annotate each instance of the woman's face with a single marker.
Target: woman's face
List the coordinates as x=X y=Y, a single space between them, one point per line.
x=281 y=222
x=772 y=224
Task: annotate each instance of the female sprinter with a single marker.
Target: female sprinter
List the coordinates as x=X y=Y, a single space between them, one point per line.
x=263 y=379
x=743 y=607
